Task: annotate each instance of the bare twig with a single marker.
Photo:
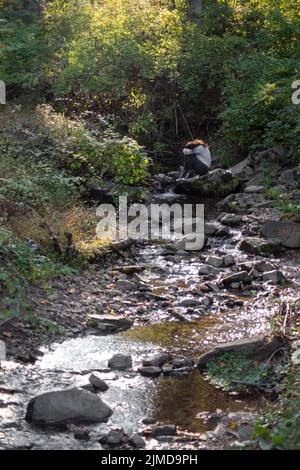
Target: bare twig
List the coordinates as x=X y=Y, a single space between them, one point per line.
x=70 y=250
x=185 y=121
x=176 y=118
x=272 y=355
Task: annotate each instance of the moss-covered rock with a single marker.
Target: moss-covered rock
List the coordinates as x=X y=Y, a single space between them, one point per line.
x=241 y=202
x=218 y=182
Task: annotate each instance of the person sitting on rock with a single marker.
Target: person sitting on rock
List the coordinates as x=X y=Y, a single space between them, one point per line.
x=197 y=159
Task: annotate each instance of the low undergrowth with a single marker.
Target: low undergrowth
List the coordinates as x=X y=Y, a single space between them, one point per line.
x=22 y=263
x=286 y=201
x=279 y=427
x=278 y=424
x=47 y=162
x=235 y=372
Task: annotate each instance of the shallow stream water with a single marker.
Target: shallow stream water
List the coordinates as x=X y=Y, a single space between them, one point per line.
x=182 y=400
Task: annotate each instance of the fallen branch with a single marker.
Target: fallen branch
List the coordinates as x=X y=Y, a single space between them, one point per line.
x=53 y=237
x=272 y=355
x=253 y=385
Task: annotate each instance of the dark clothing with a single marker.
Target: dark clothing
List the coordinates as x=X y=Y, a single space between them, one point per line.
x=192 y=163
x=192 y=166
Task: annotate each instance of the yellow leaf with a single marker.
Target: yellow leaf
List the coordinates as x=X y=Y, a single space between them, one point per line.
x=233 y=425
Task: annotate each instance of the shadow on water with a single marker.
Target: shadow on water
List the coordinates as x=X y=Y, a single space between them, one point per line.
x=181 y=400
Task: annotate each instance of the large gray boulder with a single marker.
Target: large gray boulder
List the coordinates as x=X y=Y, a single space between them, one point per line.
x=287 y=232
x=66 y=407
x=243 y=170
x=241 y=202
x=218 y=182
x=257 y=347
x=290 y=177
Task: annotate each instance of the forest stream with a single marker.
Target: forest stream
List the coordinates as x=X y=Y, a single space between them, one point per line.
x=170 y=315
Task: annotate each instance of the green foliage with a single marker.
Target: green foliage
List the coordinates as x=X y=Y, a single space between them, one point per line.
x=160 y=73
x=287 y=202
x=257 y=108
x=21 y=263
x=30 y=185
x=282 y=202
x=45 y=160
x=78 y=150
x=234 y=371
x=279 y=428
x=23 y=44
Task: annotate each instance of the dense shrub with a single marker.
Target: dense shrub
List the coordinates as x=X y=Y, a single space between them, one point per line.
x=165 y=76
x=23 y=45
x=53 y=139
x=279 y=428
x=21 y=263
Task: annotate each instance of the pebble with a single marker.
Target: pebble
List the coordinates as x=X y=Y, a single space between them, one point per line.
x=264 y=266
x=165 y=430
x=120 y=362
x=254 y=273
x=137 y=441
x=241 y=276
x=148 y=420
x=82 y=435
x=228 y=260
x=99 y=308
x=112 y=438
x=125 y=285
x=157 y=360
x=275 y=276
x=98 y=383
x=150 y=371
x=185 y=362
x=214 y=261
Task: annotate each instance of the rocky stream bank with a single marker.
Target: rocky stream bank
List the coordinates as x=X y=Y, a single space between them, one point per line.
x=114 y=359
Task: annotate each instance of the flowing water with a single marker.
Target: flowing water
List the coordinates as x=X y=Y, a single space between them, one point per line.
x=180 y=400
